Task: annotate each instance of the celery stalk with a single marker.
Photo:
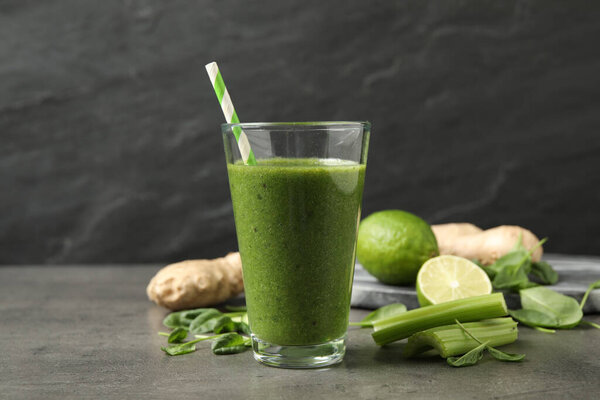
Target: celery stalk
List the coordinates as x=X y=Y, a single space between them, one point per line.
x=469 y=309
x=451 y=340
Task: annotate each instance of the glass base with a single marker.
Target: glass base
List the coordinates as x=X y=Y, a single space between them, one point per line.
x=311 y=356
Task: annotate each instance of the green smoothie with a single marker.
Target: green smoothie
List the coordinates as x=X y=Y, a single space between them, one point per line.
x=296 y=221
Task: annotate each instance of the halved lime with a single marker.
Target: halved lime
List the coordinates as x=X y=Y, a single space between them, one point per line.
x=446 y=278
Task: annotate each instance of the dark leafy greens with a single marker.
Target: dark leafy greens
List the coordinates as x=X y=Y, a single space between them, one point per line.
x=205 y=322
x=476 y=354
x=235 y=308
x=230 y=343
x=545 y=309
x=470 y=358
x=228 y=329
x=185 y=348
x=226 y=324
x=544 y=273
x=504 y=356
x=177 y=335
x=183 y=319
x=512 y=271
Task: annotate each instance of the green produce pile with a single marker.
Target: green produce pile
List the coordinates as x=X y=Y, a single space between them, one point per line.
x=442 y=327
x=460 y=330
x=439 y=327
x=513 y=270
x=230 y=330
x=389 y=243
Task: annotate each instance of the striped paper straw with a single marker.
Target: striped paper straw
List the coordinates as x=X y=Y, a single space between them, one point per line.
x=230 y=115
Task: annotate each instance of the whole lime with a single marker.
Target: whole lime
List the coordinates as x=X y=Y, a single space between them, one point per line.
x=393 y=244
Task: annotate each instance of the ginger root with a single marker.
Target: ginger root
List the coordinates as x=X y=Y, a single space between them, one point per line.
x=197 y=283
x=468 y=241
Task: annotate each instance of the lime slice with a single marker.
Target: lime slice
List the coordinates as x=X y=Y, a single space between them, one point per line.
x=446 y=278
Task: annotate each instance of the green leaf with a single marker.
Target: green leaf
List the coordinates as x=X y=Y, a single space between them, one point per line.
x=180 y=349
x=185 y=348
x=564 y=308
x=594 y=285
x=381 y=313
x=515 y=257
x=235 y=308
x=471 y=358
x=503 y=356
x=519 y=244
x=230 y=343
x=183 y=319
x=534 y=318
x=497 y=354
x=224 y=324
x=178 y=335
x=510 y=271
x=205 y=322
x=544 y=272
x=243 y=327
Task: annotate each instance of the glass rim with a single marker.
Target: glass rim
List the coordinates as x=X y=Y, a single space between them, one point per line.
x=321 y=124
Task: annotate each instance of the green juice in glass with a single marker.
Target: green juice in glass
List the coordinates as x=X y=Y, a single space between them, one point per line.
x=296 y=221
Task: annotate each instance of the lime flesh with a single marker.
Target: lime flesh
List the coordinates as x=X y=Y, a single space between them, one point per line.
x=447 y=277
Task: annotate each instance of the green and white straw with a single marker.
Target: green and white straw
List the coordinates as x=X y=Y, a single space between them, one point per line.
x=230 y=115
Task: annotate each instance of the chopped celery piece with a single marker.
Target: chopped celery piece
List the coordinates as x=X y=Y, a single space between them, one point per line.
x=451 y=340
x=468 y=309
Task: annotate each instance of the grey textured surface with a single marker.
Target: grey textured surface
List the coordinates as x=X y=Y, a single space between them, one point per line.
x=484 y=111
x=576 y=273
x=88 y=332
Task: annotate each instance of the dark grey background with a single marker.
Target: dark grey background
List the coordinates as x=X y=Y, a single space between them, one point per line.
x=482 y=111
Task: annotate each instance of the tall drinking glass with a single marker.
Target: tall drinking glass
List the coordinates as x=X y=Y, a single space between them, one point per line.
x=296 y=216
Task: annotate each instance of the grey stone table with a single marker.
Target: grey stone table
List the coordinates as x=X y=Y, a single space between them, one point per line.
x=89 y=332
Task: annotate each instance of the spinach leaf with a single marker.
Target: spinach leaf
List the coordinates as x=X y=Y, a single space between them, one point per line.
x=180 y=349
x=544 y=272
x=185 y=348
x=205 y=322
x=381 y=313
x=510 y=271
x=503 y=356
x=563 y=308
x=471 y=358
x=224 y=324
x=230 y=343
x=497 y=354
x=178 y=335
x=243 y=327
x=183 y=319
x=534 y=318
x=235 y=308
